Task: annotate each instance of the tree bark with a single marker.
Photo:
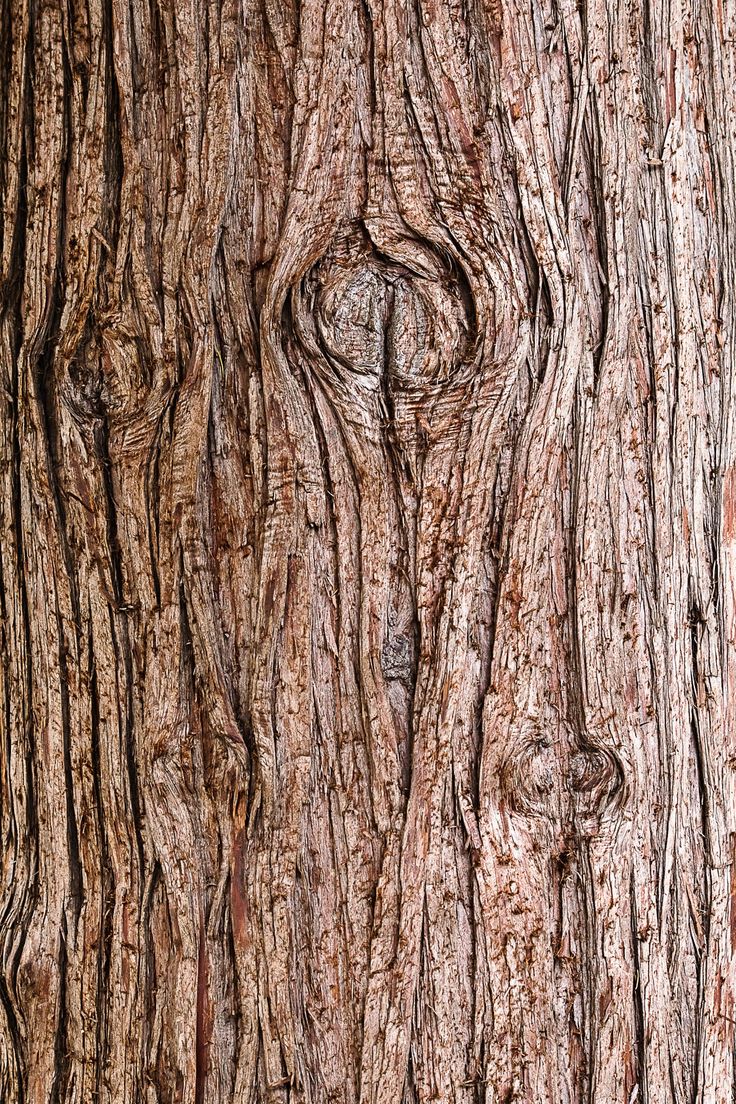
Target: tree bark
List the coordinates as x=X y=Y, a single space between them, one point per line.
x=368 y=564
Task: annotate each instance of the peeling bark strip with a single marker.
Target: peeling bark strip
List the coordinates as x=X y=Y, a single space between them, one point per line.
x=368 y=563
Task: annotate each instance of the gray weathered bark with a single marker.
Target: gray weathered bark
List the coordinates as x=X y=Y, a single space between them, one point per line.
x=368 y=564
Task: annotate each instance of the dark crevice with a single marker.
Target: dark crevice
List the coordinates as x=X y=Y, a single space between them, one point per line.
x=600 y=349
x=697 y=624
x=15 y=1038
x=201 y=1041
x=153 y=495
x=186 y=660
x=370 y=59
x=62 y=1065
x=589 y=967
x=576 y=685
x=24 y=894
x=76 y=882
x=122 y=649
x=42 y=364
x=640 y=1069
x=29 y=832
x=6 y=55
x=104 y=951
x=113 y=151
x=147 y=965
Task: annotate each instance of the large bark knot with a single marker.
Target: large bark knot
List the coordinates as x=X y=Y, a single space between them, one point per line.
x=562 y=781
x=379 y=323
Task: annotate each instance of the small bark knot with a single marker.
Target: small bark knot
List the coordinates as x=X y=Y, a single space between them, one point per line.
x=396 y=661
x=531 y=776
x=596 y=781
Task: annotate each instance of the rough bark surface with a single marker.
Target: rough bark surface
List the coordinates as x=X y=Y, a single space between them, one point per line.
x=368 y=563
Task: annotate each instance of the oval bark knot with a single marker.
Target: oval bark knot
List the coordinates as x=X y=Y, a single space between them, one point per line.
x=547 y=777
x=531 y=778
x=380 y=322
x=597 y=783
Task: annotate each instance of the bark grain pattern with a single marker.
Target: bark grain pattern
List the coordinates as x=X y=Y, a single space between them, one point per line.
x=368 y=559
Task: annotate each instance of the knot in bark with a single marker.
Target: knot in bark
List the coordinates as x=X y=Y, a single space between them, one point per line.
x=386 y=323
x=596 y=783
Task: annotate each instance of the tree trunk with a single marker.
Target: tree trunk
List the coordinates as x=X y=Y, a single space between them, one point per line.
x=368 y=566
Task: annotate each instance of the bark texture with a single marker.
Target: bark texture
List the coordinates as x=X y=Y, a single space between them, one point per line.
x=368 y=564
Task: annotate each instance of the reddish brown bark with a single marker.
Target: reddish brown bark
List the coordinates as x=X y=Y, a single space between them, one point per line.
x=367 y=580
